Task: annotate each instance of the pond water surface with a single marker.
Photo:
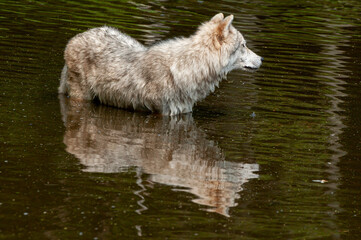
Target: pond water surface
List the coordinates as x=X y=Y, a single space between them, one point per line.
x=272 y=154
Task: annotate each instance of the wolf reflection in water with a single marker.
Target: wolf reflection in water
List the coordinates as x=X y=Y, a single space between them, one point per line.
x=171 y=150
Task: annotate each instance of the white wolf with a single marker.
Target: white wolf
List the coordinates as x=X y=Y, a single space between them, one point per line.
x=168 y=77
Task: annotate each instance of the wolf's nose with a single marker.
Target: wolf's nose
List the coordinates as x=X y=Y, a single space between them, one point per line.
x=262 y=59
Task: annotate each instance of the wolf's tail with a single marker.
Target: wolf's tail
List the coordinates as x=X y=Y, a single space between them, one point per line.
x=63 y=88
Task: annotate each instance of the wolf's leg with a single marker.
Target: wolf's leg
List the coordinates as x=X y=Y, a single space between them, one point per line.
x=77 y=88
x=63 y=88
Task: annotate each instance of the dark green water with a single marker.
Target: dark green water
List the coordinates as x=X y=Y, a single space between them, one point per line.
x=274 y=154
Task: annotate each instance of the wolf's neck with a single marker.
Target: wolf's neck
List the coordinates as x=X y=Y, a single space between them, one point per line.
x=197 y=70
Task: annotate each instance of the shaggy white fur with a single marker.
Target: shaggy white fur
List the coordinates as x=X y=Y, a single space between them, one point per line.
x=168 y=77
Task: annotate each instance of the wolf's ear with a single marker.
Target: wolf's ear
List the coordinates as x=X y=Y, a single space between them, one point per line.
x=224 y=25
x=222 y=31
x=217 y=18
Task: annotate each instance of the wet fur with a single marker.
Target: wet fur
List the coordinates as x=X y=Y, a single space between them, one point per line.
x=168 y=77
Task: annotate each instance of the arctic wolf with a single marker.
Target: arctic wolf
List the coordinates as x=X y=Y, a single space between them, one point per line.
x=168 y=77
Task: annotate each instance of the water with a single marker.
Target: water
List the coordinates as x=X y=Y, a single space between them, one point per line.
x=273 y=154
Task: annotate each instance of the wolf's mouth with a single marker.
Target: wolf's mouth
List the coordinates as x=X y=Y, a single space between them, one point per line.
x=249 y=68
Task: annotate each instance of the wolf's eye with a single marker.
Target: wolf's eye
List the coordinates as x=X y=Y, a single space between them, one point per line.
x=243 y=45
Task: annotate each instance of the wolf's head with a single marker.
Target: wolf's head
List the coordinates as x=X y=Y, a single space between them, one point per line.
x=231 y=44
